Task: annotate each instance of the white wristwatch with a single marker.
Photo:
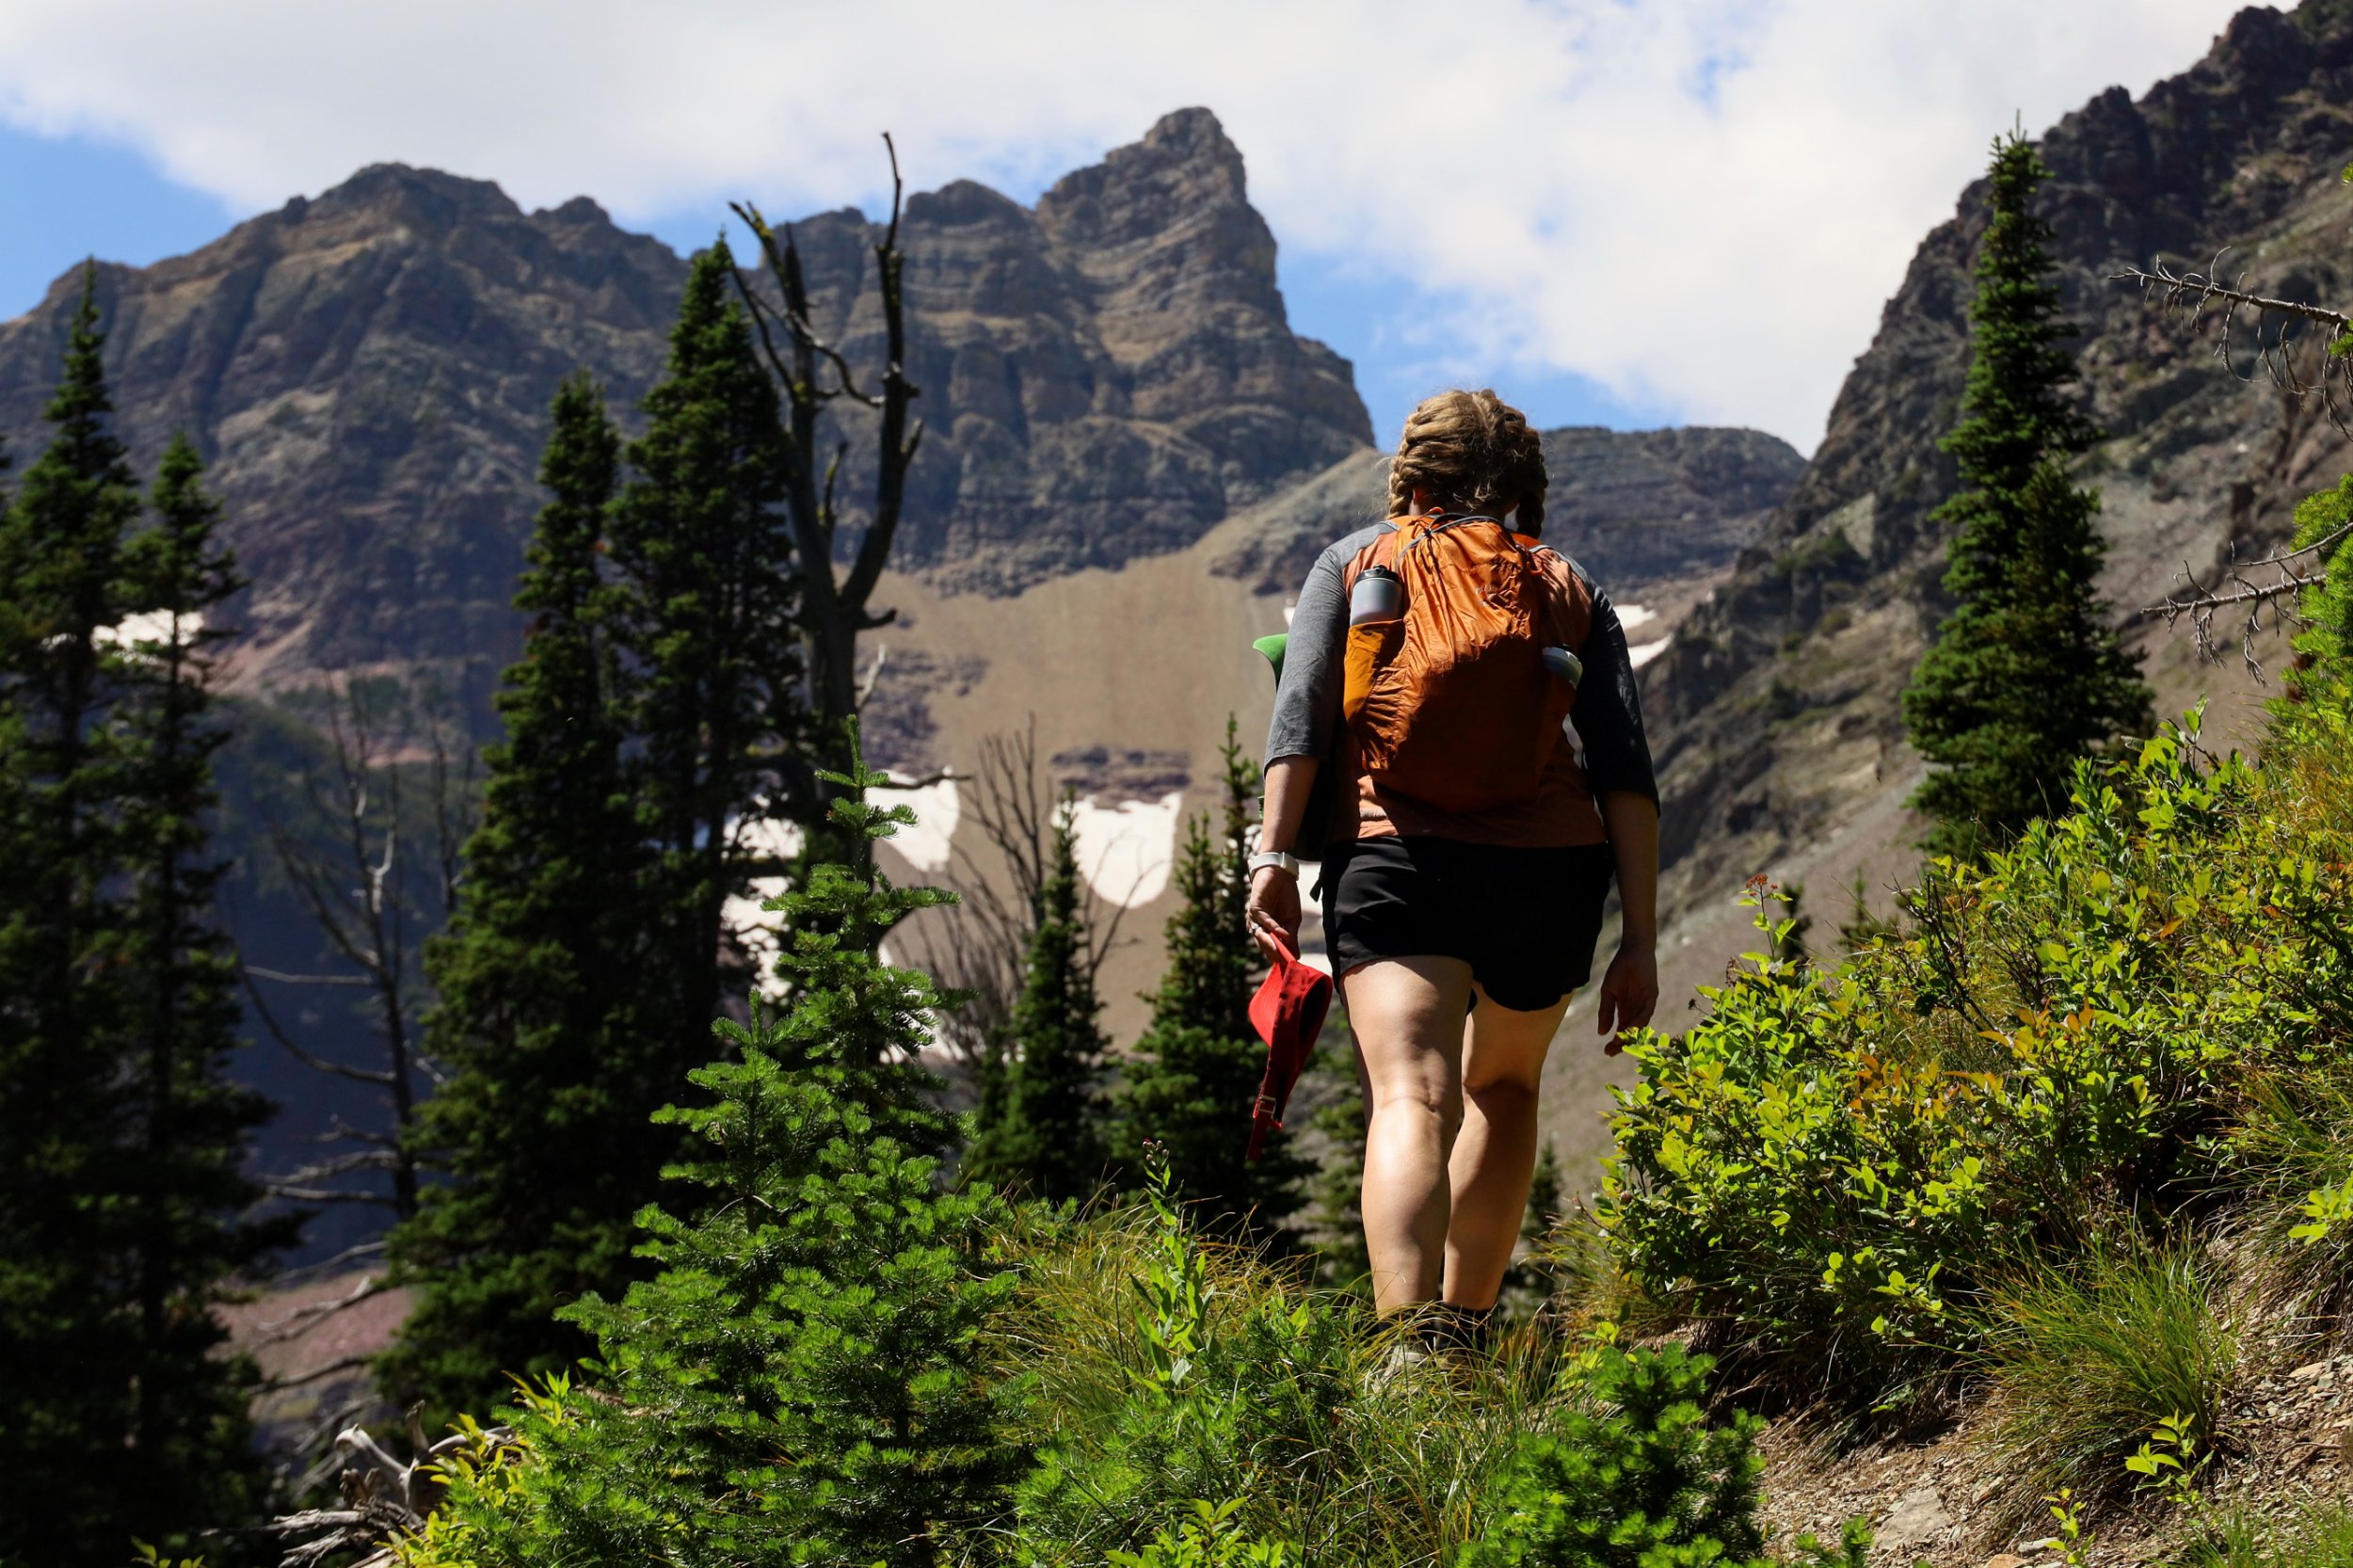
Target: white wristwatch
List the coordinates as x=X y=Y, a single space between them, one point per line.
x=1282 y=861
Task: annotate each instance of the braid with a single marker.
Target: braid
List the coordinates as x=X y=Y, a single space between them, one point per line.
x=1472 y=451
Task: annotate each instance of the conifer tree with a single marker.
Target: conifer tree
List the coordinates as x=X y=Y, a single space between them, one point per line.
x=1046 y=1136
x=703 y=614
x=2026 y=675
x=120 y=1144
x=803 y=1382
x=552 y=1065
x=1195 y=1075
x=660 y=702
x=193 y=1125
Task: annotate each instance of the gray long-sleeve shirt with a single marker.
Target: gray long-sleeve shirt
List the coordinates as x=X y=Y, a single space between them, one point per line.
x=1608 y=712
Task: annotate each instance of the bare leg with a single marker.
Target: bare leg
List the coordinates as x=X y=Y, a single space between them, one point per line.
x=1495 y=1153
x=1407 y=1015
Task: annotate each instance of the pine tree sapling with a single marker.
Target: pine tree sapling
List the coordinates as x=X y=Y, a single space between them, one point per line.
x=2027 y=676
x=1638 y=1479
x=803 y=1379
x=1194 y=1074
x=1046 y=1136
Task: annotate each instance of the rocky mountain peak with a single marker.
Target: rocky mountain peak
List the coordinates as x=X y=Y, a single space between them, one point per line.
x=1105 y=376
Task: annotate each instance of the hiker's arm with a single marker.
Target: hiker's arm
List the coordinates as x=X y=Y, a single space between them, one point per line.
x=1307 y=698
x=1306 y=705
x=1608 y=717
x=1273 y=893
x=1629 y=992
x=1608 y=711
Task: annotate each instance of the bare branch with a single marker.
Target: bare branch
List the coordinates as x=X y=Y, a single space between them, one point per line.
x=2276 y=351
x=303 y=1319
x=2290 y=572
x=924 y=780
x=284 y=978
x=317 y=1195
x=327 y=1265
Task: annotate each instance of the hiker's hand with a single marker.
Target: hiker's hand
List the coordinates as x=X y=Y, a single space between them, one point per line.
x=1274 y=906
x=1629 y=993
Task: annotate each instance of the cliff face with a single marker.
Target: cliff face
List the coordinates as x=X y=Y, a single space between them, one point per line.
x=369 y=372
x=1104 y=377
x=1652 y=513
x=1776 y=709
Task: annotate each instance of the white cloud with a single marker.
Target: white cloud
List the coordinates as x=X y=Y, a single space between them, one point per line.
x=1699 y=203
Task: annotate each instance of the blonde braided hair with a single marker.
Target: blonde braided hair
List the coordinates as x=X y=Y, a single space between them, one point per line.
x=1470 y=451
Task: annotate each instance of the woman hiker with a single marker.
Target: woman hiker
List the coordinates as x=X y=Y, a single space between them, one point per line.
x=1467 y=847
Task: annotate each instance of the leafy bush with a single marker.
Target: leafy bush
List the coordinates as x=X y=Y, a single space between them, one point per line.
x=1642 y=1480
x=2088 y=1359
x=1834 y=1165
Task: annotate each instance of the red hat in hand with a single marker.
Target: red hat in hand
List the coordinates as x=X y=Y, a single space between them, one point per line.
x=1288 y=1012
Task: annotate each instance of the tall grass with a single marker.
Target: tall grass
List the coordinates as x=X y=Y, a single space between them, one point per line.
x=2085 y=1359
x=1297 y=1405
x=2295 y=1147
x=2321 y=1536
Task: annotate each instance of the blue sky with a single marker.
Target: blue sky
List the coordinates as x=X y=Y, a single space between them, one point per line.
x=1626 y=211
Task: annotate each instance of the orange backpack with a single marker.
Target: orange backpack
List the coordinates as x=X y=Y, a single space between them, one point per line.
x=1453 y=705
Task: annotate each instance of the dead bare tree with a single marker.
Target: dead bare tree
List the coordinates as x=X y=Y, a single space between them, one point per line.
x=383 y=1499
x=979 y=947
x=358 y=889
x=815 y=374
x=2262 y=594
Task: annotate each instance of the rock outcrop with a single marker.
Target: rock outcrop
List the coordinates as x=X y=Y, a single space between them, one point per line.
x=1105 y=376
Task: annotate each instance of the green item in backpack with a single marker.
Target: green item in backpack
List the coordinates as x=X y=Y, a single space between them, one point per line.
x=1273 y=648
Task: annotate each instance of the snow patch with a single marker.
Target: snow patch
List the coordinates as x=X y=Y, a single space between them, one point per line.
x=926 y=844
x=1632 y=615
x=1638 y=657
x=152 y=627
x=743 y=915
x=1124 y=849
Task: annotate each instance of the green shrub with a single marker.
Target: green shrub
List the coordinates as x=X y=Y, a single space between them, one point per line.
x=1208 y=1540
x=2087 y=1359
x=803 y=1381
x=1640 y=1481
x=1169 y=1370
x=1834 y=1165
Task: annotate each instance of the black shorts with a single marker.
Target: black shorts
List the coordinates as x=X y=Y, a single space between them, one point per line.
x=1525 y=919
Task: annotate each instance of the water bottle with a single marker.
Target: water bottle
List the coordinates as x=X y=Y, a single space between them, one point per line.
x=1564 y=666
x=1378 y=597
